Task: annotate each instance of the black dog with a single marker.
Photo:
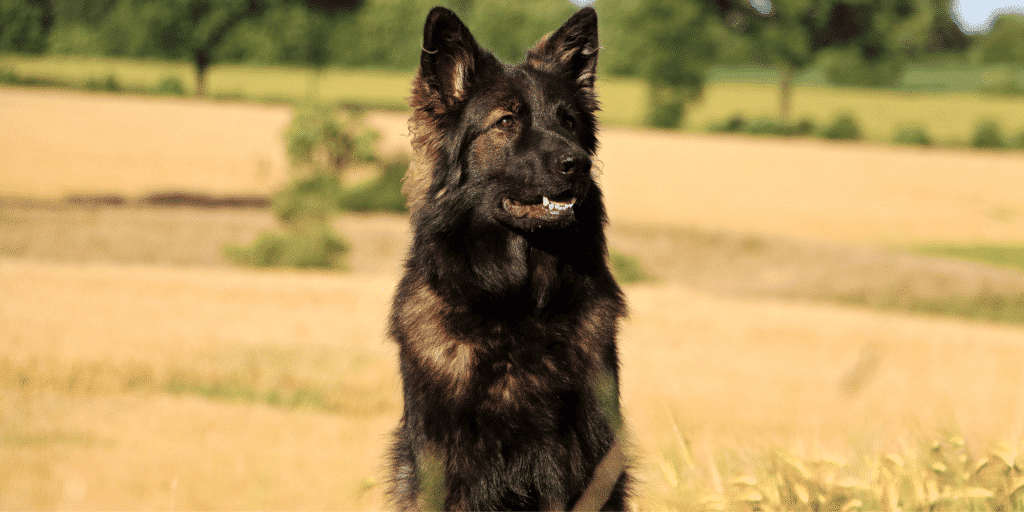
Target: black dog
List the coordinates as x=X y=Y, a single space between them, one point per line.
x=507 y=314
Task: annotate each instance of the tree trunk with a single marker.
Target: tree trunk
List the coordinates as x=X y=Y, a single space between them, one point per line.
x=786 y=92
x=202 y=61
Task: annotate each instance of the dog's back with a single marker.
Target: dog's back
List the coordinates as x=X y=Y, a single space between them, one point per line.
x=507 y=314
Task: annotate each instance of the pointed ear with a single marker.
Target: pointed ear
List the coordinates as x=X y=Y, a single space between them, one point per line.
x=571 y=50
x=450 y=58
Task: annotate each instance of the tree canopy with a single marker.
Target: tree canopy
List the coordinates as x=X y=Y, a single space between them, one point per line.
x=862 y=42
x=24 y=25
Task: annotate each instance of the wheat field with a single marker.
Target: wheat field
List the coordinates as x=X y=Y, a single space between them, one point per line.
x=151 y=386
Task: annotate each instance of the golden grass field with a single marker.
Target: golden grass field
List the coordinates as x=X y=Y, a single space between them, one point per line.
x=155 y=386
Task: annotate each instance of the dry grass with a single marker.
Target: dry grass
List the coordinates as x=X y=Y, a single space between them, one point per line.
x=91 y=355
x=60 y=143
x=92 y=422
x=147 y=386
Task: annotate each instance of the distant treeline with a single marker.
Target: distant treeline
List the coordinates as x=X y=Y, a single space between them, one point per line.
x=669 y=43
x=359 y=33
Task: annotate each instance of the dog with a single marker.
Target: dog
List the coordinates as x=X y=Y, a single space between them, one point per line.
x=507 y=313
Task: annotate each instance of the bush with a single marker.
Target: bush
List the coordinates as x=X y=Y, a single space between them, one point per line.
x=313 y=246
x=734 y=124
x=666 y=106
x=383 y=193
x=170 y=86
x=627 y=269
x=322 y=144
x=108 y=83
x=844 y=127
x=912 y=136
x=988 y=135
x=764 y=126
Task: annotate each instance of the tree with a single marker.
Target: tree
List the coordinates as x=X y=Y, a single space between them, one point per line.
x=1004 y=44
x=24 y=25
x=679 y=38
x=205 y=23
x=191 y=29
x=873 y=35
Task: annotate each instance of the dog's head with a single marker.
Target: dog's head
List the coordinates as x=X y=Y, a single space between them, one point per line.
x=511 y=143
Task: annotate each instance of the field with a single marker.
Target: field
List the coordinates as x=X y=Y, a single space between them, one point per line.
x=950 y=114
x=139 y=371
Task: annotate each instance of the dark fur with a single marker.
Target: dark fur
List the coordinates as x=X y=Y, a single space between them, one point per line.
x=505 y=322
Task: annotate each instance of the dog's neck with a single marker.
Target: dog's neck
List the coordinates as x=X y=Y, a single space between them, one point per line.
x=503 y=270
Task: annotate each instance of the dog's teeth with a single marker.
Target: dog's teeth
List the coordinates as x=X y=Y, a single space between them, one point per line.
x=546 y=201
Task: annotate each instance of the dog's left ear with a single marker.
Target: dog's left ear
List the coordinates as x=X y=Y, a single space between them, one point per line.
x=571 y=50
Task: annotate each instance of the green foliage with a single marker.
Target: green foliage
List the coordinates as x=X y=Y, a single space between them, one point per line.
x=390 y=33
x=874 y=35
x=108 y=83
x=309 y=245
x=319 y=141
x=383 y=193
x=323 y=144
x=24 y=25
x=912 y=136
x=1004 y=43
x=73 y=38
x=523 y=22
x=680 y=48
x=666 y=105
x=627 y=269
x=315 y=196
x=170 y=85
x=850 y=67
x=735 y=124
x=764 y=126
x=843 y=127
x=988 y=135
x=285 y=33
x=1003 y=255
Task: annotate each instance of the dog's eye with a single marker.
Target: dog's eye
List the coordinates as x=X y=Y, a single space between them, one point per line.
x=506 y=122
x=569 y=122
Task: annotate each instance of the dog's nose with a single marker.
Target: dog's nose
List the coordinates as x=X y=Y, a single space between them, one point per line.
x=573 y=163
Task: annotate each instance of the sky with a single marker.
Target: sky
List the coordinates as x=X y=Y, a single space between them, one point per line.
x=973 y=16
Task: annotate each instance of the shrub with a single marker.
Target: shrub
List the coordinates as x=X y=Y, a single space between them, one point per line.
x=171 y=86
x=383 y=193
x=912 y=136
x=7 y=76
x=666 y=106
x=734 y=124
x=988 y=135
x=312 y=246
x=627 y=269
x=322 y=144
x=844 y=127
x=765 y=126
x=108 y=83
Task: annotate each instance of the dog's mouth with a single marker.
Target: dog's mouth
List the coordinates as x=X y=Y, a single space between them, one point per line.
x=544 y=209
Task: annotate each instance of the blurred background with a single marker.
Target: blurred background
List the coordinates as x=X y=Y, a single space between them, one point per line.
x=815 y=206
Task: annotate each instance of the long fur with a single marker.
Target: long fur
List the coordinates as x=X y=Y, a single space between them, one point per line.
x=505 y=321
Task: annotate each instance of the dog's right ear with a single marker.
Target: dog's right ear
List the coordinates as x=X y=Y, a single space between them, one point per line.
x=450 y=58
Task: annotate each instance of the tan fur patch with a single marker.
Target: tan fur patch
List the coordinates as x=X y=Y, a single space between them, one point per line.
x=450 y=358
